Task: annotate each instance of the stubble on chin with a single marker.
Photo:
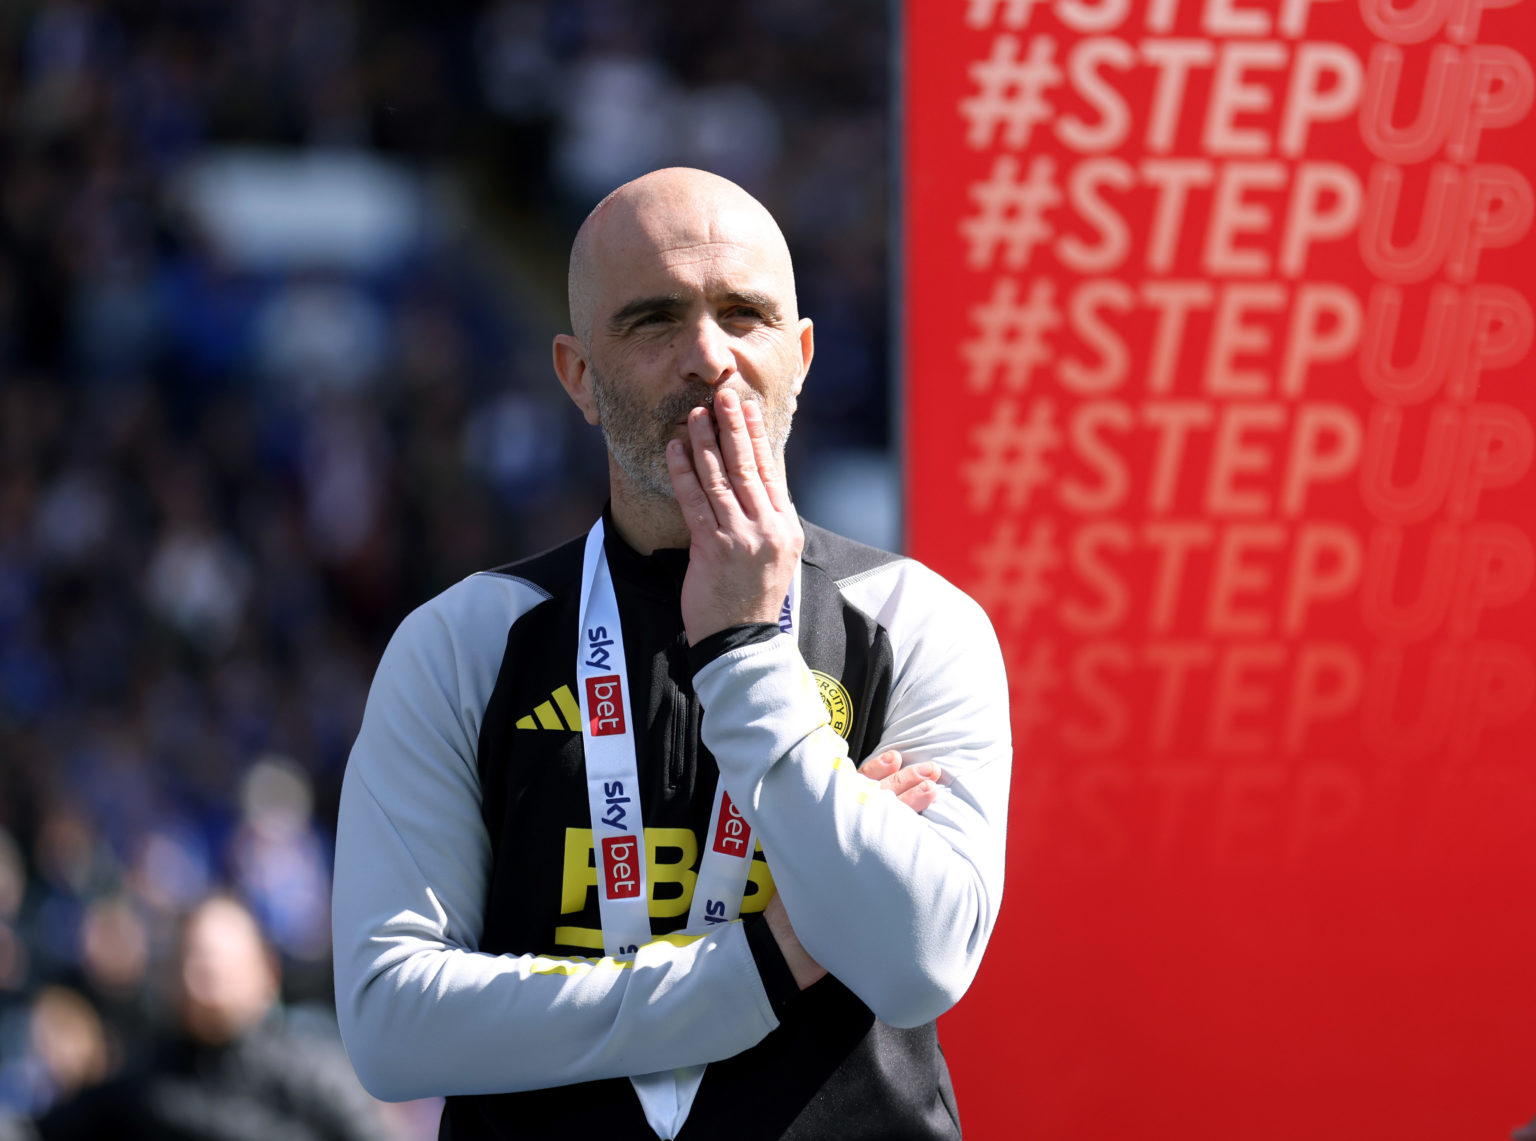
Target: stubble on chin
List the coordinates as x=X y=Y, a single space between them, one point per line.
x=637 y=440
x=637 y=437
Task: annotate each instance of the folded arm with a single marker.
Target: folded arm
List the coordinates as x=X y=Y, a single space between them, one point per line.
x=898 y=906
x=423 y=1011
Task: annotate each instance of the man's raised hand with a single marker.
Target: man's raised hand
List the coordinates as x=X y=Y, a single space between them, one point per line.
x=745 y=537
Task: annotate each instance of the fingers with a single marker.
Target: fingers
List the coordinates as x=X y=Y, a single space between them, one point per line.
x=732 y=459
x=702 y=453
x=907 y=779
x=882 y=765
x=921 y=797
x=698 y=513
x=717 y=462
x=739 y=452
x=916 y=786
x=768 y=472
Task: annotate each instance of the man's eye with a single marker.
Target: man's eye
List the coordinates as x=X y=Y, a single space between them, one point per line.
x=747 y=313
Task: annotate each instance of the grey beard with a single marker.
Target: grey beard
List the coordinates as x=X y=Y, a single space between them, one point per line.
x=637 y=439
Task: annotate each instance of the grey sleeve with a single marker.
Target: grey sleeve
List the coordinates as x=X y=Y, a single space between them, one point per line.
x=897 y=906
x=422 y=1010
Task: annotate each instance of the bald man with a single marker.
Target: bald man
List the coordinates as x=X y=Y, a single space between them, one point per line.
x=607 y=864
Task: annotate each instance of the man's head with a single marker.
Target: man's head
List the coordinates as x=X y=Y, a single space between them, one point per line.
x=227 y=977
x=680 y=284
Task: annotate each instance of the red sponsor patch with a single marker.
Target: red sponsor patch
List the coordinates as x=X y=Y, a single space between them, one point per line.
x=605 y=705
x=621 y=867
x=732 y=835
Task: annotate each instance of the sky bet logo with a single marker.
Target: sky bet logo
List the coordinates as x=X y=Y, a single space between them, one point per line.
x=732 y=836
x=621 y=867
x=614 y=812
x=598 y=642
x=605 y=704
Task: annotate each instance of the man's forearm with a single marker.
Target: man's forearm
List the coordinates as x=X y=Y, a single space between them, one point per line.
x=897 y=906
x=423 y=1015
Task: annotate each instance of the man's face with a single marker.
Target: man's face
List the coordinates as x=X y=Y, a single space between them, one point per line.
x=228 y=980
x=688 y=302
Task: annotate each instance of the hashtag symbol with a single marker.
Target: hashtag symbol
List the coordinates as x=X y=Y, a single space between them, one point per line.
x=1010 y=213
x=1015 y=572
x=982 y=13
x=1011 y=459
x=1033 y=679
x=1010 y=337
x=1010 y=92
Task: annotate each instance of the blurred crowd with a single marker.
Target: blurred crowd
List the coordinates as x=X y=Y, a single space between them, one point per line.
x=277 y=284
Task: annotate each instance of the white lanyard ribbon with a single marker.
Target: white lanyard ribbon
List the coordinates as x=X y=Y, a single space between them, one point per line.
x=618 y=833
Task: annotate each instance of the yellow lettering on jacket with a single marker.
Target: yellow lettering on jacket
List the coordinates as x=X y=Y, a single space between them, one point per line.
x=578 y=880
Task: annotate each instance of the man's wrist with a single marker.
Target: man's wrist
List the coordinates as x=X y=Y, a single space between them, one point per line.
x=724 y=641
x=778 y=980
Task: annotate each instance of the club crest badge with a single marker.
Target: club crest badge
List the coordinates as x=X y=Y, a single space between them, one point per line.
x=839 y=704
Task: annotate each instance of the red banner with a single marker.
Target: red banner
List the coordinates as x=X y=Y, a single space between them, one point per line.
x=1218 y=338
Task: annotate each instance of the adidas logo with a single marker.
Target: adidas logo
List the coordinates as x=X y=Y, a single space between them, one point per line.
x=548 y=714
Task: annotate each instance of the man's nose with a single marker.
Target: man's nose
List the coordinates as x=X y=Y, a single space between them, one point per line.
x=706 y=354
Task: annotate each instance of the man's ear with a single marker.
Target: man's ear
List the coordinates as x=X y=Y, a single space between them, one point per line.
x=807 y=351
x=575 y=376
